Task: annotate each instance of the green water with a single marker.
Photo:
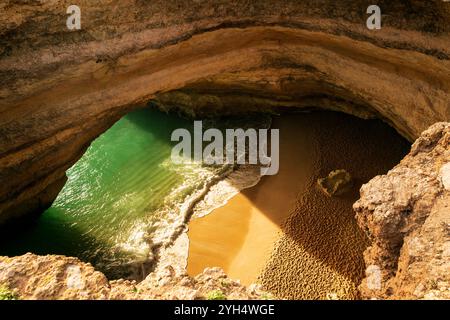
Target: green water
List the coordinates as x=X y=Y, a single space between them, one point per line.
x=118 y=194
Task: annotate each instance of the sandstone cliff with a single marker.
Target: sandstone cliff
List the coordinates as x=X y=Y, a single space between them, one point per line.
x=406 y=214
x=57 y=277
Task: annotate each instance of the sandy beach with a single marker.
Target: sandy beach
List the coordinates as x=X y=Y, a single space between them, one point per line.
x=239 y=236
x=284 y=232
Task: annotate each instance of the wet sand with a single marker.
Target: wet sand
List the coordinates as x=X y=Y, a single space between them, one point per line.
x=284 y=232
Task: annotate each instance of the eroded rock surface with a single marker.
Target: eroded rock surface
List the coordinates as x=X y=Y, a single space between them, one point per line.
x=60 y=89
x=336 y=183
x=406 y=214
x=58 y=277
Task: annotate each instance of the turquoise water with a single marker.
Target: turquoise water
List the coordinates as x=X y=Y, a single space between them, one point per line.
x=118 y=194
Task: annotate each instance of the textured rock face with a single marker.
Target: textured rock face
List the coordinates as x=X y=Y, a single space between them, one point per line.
x=52 y=277
x=336 y=183
x=406 y=214
x=58 y=277
x=59 y=89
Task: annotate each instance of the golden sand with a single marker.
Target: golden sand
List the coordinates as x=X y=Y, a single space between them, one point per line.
x=284 y=232
x=239 y=236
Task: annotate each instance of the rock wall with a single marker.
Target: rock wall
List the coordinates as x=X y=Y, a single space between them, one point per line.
x=60 y=89
x=406 y=214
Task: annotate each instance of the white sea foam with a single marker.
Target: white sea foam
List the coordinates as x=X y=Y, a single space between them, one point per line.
x=165 y=227
x=204 y=189
x=243 y=177
x=246 y=176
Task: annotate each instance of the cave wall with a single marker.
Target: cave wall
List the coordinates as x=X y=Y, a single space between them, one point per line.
x=60 y=89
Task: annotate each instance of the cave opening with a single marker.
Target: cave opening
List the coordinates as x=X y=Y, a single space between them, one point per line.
x=115 y=210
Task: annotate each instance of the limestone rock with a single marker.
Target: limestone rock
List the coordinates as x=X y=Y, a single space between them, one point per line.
x=445 y=175
x=60 y=89
x=406 y=214
x=54 y=277
x=336 y=183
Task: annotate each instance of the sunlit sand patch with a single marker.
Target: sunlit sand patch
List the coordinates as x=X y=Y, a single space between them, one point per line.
x=239 y=236
x=286 y=233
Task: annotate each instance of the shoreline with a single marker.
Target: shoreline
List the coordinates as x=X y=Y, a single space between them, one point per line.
x=284 y=233
x=250 y=223
x=217 y=195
